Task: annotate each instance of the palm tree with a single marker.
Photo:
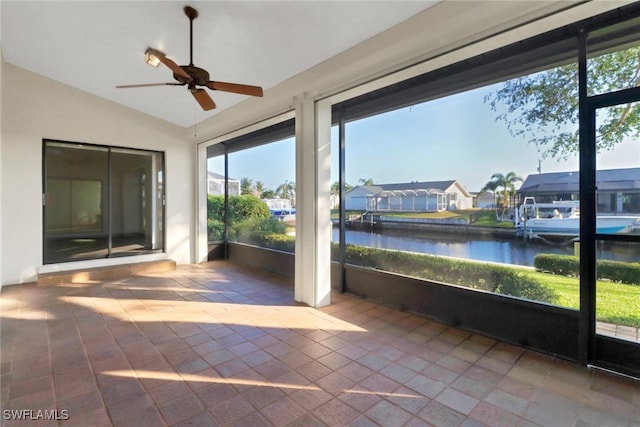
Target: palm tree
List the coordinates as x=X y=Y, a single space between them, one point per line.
x=507 y=184
x=286 y=190
x=246 y=186
x=259 y=189
x=368 y=181
x=491 y=186
x=335 y=187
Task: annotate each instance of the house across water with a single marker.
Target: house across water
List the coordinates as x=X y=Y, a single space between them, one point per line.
x=427 y=196
x=215 y=184
x=618 y=189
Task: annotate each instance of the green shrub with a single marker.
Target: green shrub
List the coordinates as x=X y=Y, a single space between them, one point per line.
x=487 y=277
x=565 y=265
x=616 y=271
x=252 y=230
x=215 y=229
x=241 y=209
x=246 y=207
x=281 y=242
x=215 y=207
x=517 y=284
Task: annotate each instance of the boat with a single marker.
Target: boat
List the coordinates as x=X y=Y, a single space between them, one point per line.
x=281 y=209
x=562 y=220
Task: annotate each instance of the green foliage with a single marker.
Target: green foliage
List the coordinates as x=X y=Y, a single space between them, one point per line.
x=215 y=229
x=614 y=271
x=247 y=207
x=543 y=107
x=241 y=208
x=215 y=206
x=335 y=187
x=268 y=194
x=281 y=242
x=286 y=190
x=252 y=230
x=507 y=183
x=565 y=265
x=487 y=277
x=487 y=218
x=617 y=302
x=215 y=217
x=246 y=186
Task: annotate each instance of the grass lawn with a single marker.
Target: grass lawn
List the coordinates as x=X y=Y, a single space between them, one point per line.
x=615 y=302
x=479 y=217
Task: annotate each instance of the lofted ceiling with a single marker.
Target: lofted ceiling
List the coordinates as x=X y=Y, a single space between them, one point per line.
x=94 y=45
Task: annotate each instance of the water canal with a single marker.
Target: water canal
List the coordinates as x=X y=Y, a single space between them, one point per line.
x=494 y=249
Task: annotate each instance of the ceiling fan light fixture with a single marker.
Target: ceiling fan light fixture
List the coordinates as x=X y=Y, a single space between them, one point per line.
x=152 y=56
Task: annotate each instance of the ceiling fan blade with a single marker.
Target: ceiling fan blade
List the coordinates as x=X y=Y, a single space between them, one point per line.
x=154 y=57
x=203 y=99
x=174 y=67
x=149 y=84
x=235 y=88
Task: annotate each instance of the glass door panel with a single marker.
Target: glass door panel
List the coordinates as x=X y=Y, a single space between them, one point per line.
x=136 y=211
x=75 y=202
x=617 y=238
x=215 y=197
x=618 y=219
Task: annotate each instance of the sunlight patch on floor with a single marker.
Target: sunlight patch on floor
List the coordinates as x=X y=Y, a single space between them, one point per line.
x=259 y=316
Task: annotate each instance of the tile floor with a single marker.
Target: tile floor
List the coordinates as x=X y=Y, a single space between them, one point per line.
x=219 y=344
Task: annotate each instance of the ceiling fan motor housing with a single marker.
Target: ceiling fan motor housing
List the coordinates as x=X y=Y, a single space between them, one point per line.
x=198 y=75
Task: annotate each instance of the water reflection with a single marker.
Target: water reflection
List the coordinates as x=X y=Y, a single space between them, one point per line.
x=507 y=251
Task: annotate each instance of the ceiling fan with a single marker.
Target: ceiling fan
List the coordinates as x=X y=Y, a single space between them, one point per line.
x=193 y=76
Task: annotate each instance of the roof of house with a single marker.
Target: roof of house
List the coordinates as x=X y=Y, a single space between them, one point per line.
x=430 y=186
x=213 y=175
x=424 y=185
x=557 y=182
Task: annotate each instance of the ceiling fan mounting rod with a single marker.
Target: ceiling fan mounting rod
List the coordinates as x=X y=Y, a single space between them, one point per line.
x=191 y=14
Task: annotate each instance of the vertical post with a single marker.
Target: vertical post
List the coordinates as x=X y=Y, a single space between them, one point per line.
x=110 y=203
x=202 y=242
x=341 y=199
x=313 y=213
x=226 y=203
x=152 y=195
x=586 y=120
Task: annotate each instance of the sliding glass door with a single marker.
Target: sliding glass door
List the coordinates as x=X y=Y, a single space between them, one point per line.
x=101 y=202
x=614 y=268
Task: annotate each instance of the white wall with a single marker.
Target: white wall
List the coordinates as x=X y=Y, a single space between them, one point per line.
x=33 y=108
x=1 y=225
x=356 y=199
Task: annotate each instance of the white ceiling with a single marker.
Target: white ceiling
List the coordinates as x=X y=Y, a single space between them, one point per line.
x=95 y=46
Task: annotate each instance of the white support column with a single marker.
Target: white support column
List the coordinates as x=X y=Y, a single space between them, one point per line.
x=201 y=249
x=313 y=211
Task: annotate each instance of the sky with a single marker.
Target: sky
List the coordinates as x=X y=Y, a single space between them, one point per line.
x=452 y=138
